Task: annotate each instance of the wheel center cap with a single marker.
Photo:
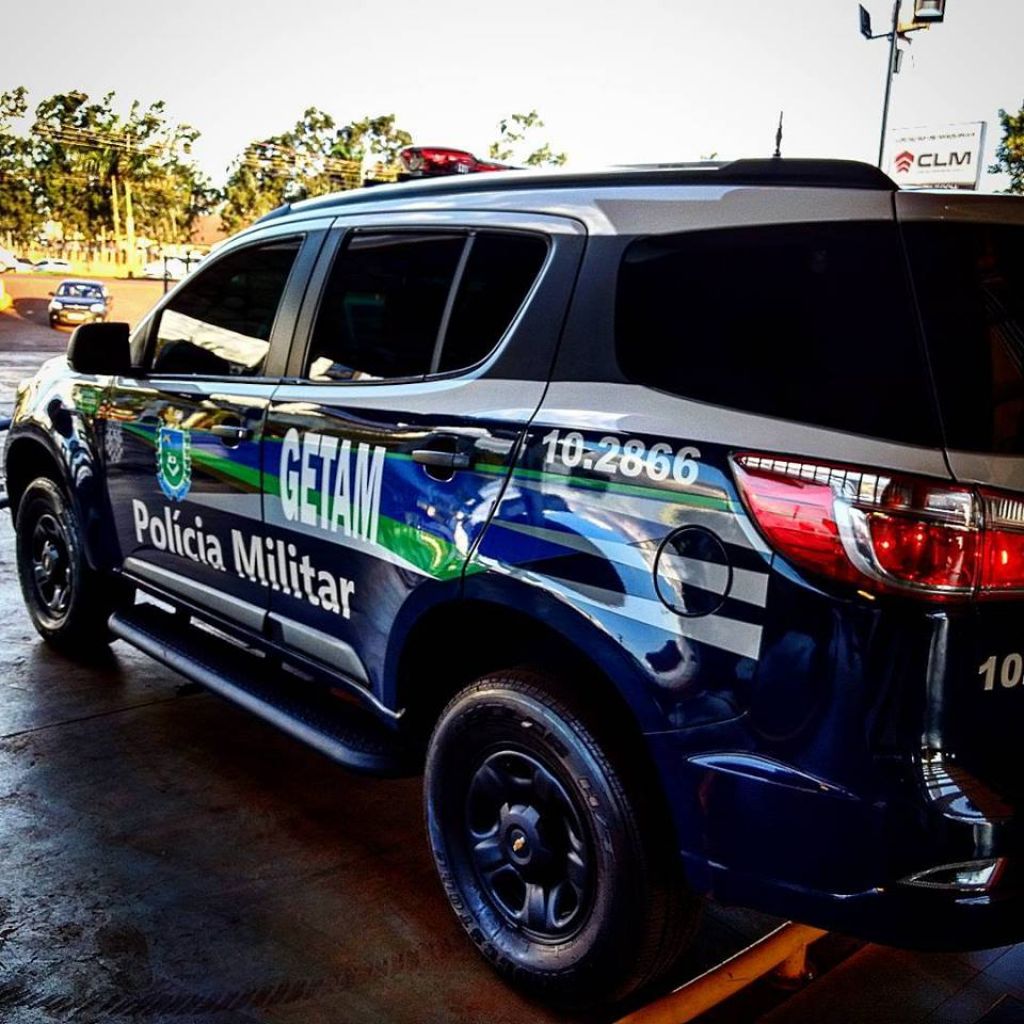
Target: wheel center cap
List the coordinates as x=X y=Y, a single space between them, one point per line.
x=518 y=842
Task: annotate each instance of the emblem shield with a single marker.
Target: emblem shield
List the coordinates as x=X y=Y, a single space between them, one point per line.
x=174 y=462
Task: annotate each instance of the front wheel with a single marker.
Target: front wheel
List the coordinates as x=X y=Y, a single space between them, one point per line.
x=558 y=867
x=66 y=600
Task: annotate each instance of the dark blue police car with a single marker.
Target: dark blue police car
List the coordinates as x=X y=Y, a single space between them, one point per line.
x=673 y=518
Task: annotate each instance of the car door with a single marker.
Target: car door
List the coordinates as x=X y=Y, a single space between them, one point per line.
x=182 y=435
x=427 y=341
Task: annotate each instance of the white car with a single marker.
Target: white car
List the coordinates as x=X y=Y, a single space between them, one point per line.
x=52 y=266
x=174 y=268
x=10 y=262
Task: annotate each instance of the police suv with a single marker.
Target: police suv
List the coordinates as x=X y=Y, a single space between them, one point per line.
x=673 y=517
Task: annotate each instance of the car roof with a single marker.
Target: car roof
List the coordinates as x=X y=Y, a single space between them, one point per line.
x=778 y=172
x=81 y=280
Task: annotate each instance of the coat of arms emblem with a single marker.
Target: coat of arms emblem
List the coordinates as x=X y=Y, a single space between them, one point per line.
x=174 y=462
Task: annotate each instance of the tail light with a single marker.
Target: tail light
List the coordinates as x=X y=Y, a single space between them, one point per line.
x=886 y=532
x=429 y=161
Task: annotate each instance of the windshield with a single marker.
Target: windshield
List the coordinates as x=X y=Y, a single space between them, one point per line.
x=80 y=291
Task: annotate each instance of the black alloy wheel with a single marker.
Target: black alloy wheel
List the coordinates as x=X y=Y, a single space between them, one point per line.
x=68 y=601
x=554 y=851
x=53 y=572
x=529 y=845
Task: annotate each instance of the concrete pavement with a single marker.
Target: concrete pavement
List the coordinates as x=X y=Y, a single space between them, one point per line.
x=169 y=858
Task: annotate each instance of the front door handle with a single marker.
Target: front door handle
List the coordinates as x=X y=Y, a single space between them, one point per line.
x=441 y=459
x=232 y=434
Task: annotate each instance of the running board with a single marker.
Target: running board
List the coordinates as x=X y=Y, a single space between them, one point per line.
x=344 y=731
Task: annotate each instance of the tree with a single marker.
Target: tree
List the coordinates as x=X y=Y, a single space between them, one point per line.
x=20 y=216
x=98 y=170
x=516 y=134
x=313 y=158
x=373 y=137
x=1010 y=153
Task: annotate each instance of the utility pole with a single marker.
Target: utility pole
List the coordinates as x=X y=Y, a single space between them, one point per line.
x=115 y=209
x=890 y=70
x=129 y=212
x=926 y=14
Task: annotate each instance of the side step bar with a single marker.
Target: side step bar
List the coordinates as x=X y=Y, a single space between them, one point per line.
x=344 y=731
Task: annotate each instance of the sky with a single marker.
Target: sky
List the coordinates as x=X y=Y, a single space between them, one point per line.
x=615 y=82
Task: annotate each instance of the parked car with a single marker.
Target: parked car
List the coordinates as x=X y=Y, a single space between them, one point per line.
x=171 y=268
x=11 y=263
x=78 y=302
x=52 y=266
x=672 y=520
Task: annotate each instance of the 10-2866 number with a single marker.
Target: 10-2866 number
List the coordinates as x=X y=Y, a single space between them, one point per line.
x=630 y=458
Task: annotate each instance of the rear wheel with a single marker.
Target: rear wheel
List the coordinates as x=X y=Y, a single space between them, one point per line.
x=558 y=868
x=66 y=600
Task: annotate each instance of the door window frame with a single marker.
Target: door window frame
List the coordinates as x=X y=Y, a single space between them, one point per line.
x=311 y=237
x=547 y=228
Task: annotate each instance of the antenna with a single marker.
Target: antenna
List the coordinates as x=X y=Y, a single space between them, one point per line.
x=778 y=137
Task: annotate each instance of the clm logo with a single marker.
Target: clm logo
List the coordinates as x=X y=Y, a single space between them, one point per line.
x=904 y=161
x=174 y=462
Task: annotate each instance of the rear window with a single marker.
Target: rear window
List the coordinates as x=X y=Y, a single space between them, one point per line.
x=808 y=322
x=970 y=286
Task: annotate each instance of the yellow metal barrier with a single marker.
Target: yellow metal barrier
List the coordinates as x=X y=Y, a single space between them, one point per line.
x=784 y=949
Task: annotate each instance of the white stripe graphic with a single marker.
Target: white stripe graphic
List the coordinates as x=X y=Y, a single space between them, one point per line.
x=741 y=638
x=747 y=586
x=726 y=525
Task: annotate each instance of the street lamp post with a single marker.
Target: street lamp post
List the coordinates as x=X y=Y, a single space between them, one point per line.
x=926 y=14
x=890 y=71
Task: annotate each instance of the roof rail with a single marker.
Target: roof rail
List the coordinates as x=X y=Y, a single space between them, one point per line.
x=778 y=171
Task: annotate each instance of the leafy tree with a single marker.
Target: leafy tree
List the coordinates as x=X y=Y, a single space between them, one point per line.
x=98 y=170
x=516 y=136
x=372 y=137
x=1010 y=153
x=313 y=158
x=20 y=217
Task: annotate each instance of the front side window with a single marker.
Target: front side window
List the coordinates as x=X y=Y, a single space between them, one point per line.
x=404 y=305
x=812 y=323
x=219 y=323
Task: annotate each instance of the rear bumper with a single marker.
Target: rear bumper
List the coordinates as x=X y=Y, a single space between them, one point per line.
x=911 y=918
x=759 y=833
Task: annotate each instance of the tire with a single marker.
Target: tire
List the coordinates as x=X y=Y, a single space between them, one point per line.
x=66 y=600
x=558 y=869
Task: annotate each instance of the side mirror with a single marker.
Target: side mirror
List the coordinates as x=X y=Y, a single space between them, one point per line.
x=100 y=348
x=51 y=294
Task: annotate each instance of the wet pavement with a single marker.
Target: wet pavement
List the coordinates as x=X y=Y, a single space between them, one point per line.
x=166 y=857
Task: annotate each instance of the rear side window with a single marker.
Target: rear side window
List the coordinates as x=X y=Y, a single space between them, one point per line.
x=970 y=287
x=809 y=322
x=219 y=322
x=403 y=305
x=500 y=269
